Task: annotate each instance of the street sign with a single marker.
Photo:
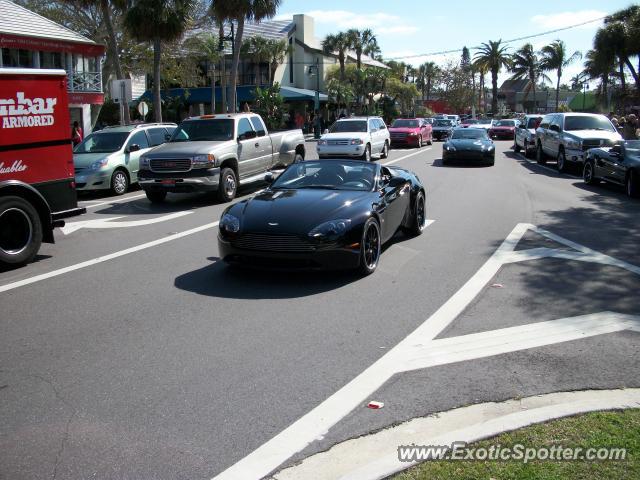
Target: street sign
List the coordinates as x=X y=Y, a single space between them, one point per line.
x=121 y=91
x=143 y=109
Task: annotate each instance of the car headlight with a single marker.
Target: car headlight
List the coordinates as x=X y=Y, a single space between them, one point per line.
x=99 y=164
x=573 y=144
x=331 y=229
x=144 y=162
x=203 y=161
x=356 y=141
x=449 y=148
x=322 y=142
x=229 y=223
x=413 y=134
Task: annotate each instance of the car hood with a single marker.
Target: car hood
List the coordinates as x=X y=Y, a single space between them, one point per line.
x=298 y=211
x=594 y=134
x=343 y=135
x=84 y=160
x=188 y=148
x=468 y=143
x=404 y=129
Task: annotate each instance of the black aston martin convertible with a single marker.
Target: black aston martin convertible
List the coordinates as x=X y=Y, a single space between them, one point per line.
x=332 y=214
x=469 y=144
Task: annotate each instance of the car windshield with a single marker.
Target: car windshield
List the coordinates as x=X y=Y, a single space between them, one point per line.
x=484 y=121
x=469 y=133
x=579 y=122
x=102 y=142
x=214 y=130
x=327 y=174
x=443 y=123
x=405 y=124
x=505 y=123
x=359 y=126
x=534 y=122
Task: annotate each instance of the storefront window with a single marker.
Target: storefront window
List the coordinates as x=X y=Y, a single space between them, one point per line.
x=12 y=57
x=51 y=60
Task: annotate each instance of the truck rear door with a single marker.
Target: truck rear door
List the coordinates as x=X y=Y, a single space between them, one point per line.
x=265 y=145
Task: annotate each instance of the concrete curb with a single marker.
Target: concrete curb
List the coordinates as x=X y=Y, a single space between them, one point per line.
x=375 y=457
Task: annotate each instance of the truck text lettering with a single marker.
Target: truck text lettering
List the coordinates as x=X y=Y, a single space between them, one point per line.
x=27 y=112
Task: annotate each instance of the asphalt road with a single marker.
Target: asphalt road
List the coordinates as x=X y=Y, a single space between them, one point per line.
x=158 y=362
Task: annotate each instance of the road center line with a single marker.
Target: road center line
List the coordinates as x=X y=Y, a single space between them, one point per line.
x=407 y=156
x=105 y=258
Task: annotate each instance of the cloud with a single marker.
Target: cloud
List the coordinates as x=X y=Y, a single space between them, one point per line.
x=381 y=23
x=566 y=19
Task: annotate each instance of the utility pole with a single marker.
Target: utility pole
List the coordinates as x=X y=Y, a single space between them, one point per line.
x=315 y=69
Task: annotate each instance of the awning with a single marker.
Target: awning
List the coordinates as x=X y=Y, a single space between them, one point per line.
x=245 y=93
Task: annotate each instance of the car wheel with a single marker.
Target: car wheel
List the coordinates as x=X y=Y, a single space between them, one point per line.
x=420 y=218
x=20 y=231
x=298 y=158
x=228 y=185
x=156 y=196
x=633 y=190
x=385 y=150
x=562 y=161
x=366 y=156
x=540 y=158
x=589 y=175
x=119 y=182
x=370 y=247
x=516 y=147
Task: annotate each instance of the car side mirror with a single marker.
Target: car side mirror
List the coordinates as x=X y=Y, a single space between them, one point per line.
x=616 y=150
x=269 y=178
x=396 y=182
x=133 y=148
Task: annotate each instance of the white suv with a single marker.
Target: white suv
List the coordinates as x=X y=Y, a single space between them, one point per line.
x=360 y=137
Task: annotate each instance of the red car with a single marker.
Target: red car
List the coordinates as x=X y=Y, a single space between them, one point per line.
x=411 y=132
x=469 y=121
x=503 y=129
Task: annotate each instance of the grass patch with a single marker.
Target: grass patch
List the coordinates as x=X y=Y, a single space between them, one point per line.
x=620 y=429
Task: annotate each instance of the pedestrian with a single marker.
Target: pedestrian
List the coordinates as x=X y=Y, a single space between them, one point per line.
x=76 y=134
x=630 y=131
x=246 y=108
x=299 y=119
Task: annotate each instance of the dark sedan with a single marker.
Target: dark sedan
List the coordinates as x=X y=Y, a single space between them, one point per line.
x=469 y=144
x=503 y=129
x=619 y=164
x=328 y=214
x=442 y=129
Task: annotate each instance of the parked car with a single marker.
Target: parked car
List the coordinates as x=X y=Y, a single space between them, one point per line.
x=503 y=129
x=323 y=214
x=618 y=164
x=455 y=119
x=468 y=122
x=217 y=153
x=428 y=120
x=442 y=129
x=525 y=134
x=361 y=137
x=484 y=123
x=109 y=159
x=411 y=132
x=567 y=136
x=469 y=144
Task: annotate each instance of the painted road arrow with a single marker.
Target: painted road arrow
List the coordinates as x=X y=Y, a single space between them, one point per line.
x=109 y=222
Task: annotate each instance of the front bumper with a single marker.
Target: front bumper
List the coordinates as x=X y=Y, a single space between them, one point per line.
x=340 y=150
x=408 y=140
x=502 y=135
x=93 y=180
x=200 y=180
x=575 y=155
x=468 y=155
x=440 y=134
x=327 y=258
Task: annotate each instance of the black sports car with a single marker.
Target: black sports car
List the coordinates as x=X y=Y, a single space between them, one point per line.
x=333 y=214
x=619 y=164
x=469 y=144
x=442 y=128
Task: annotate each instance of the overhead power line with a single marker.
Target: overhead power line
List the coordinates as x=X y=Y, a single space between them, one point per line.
x=458 y=50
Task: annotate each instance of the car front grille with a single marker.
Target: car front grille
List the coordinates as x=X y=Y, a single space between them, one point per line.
x=272 y=243
x=170 y=165
x=337 y=142
x=398 y=136
x=595 y=143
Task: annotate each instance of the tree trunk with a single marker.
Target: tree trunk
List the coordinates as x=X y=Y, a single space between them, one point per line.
x=113 y=47
x=494 y=89
x=428 y=88
x=623 y=81
x=558 y=89
x=634 y=73
x=223 y=71
x=235 y=65
x=213 y=91
x=341 y=59
x=535 y=103
x=157 y=102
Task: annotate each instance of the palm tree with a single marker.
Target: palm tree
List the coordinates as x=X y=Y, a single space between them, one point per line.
x=340 y=43
x=277 y=50
x=629 y=18
x=526 y=65
x=158 y=21
x=240 y=11
x=611 y=40
x=258 y=49
x=601 y=66
x=555 y=57
x=427 y=73
x=480 y=67
x=206 y=46
x=494 y=56
x=362 y=42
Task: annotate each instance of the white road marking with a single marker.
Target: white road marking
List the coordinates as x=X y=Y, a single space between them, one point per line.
x=105 y=258
x=407 y=156
x=109 y=202
x=109 y=223
x=317 y=422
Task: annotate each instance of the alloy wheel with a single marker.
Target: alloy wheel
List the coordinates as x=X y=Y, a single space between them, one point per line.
x=372 y=246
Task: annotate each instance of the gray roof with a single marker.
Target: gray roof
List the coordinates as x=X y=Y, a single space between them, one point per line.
x=17 y=20
x=514 y=85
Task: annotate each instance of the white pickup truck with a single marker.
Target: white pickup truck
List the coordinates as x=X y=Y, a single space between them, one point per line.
x=217 y=153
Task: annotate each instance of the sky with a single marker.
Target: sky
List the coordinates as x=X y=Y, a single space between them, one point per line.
x=407 y=27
